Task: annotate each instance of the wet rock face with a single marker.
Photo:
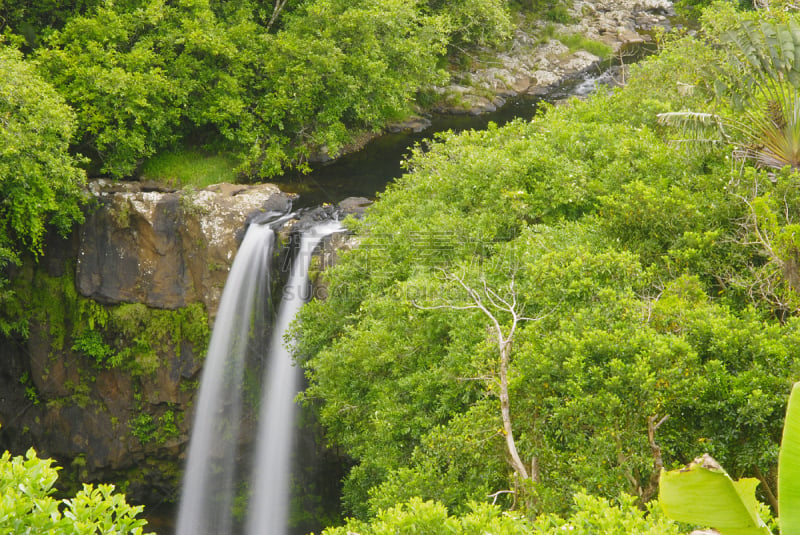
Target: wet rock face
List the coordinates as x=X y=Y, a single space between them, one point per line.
x=166 y=249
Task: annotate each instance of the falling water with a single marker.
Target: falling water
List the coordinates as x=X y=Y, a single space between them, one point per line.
x=209 y=481
x=240 y=332
x=269 y=505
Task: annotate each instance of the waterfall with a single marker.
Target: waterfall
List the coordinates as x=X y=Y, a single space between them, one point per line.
x=240 y=332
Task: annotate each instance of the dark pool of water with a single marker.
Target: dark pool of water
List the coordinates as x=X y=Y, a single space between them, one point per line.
x=367 y=172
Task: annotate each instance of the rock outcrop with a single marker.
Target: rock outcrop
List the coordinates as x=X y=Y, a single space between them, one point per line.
x=532 y=64
x=120 y=314
x=166 y=249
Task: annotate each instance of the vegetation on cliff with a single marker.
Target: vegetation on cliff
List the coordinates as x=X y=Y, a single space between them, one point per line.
x=40 y=182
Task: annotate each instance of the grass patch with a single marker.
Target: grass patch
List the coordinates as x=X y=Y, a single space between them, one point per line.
x=549 y=10
x=577 y=42
x=189 y=167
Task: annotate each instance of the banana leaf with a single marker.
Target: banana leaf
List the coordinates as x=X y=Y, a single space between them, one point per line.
x=704 y=494
x=789 y=468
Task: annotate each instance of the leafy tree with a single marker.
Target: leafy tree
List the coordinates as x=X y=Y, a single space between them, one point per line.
x=111 y=70
x=475 y=22
x=27 y=504
x=40 y=182
x=32 y=20
x=318 y=83
x=624 y=246
x=270 y=96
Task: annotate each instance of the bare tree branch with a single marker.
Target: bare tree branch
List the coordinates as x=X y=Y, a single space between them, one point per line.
x=491 y=303
x=276 y=11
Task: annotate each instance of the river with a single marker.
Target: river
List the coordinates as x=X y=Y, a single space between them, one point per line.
x=367 y=172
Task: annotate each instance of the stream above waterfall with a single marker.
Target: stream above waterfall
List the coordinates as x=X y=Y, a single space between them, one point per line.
x=367 y=172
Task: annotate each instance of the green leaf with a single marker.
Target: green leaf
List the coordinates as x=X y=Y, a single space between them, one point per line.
x=703 y=493
x=789 y=467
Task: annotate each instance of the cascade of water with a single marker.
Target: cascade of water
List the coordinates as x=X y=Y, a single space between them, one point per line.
x=209 y=483
x=270 y=486
x=240 y=330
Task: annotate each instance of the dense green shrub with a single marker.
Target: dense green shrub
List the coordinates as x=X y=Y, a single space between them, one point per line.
x=592 y=516
x=40 y=182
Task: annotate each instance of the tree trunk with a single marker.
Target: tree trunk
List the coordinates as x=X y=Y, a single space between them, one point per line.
x=505 y=410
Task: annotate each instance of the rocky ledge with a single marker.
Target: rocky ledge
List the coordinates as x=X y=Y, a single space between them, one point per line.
x=163 y=248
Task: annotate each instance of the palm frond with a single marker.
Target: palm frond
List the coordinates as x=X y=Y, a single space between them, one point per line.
x=761 y=77
x=695 y=127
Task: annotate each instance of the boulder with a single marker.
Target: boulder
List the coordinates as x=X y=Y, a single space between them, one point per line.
x=415 y=124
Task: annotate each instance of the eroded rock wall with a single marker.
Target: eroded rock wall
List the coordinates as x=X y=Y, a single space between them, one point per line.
x=166 y=249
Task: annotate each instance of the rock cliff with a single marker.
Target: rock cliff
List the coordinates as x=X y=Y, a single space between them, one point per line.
x=119 y=318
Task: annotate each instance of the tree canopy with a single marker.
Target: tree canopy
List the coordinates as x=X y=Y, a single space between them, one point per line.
x=659 y=324
x=272 y=84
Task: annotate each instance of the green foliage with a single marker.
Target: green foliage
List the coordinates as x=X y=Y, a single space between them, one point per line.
x=214 y=73
x=475 y=22
x=694 y=8
x=761 y=79
x=788 y=476
x=418 y=516
x=550 y=10
x=31 y=19
x=129 y=336
x=91 y=344
x=40 y=184
x=631 y=257
x=27 y=505
x=703 y=493
x=596 y=515
x=97 y=62
x=576 y=41
x=30 y=389
x=317 y=74
x=142 y=334
x=148 y=429
x=591 y=515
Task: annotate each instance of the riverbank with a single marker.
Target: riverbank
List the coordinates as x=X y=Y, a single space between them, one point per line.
x=534 y=62
x=542 y=55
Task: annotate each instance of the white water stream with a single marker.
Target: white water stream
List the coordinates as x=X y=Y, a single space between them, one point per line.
x=208 y=484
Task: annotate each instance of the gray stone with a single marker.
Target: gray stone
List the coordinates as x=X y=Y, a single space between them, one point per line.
x=414 y=124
